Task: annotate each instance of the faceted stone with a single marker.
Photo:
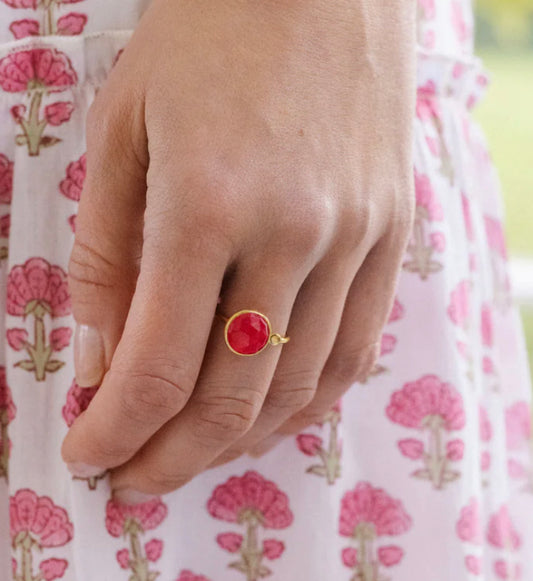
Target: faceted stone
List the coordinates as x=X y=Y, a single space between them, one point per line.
x=248 y=333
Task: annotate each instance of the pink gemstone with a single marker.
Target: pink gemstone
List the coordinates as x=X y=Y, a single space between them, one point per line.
x=248 y=333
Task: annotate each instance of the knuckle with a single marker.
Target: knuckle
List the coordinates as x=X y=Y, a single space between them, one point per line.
x=157 y=480
x=352 y=365
x=226 y=417
x=152 y=394
x=292 y=391
x=89 y=267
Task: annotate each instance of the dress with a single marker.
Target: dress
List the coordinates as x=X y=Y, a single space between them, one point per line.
x=421 y=474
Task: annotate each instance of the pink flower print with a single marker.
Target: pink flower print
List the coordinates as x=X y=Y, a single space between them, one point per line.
x=486 y=325
x=5 y=225
x=459 y=307
x=253 y=502
x=153 y=549
x=131 y=521
x=349 y=557
x=461 y=29
x=501 y=532
x=518 y=425
x=496 y=236
x=428 y=210
x=230 y=542
x=37 y=72
x=6 y=179
x=58 y=113
x=433 y=407
x=38 y=289
x=25 y=28
x=273 y=549
x=72 y=184
x=503 y=570
x=78 y=399
x=53 y=569
x=190 y=576
x=427 y=106
x=473 y=564
x=123 y=558
x=60 y=338
x=329 y=453
x=468 y=526
x=69 y=24
x=388 y=343
x=455 y=450
x=7 y=415
x=368 y=513
x=485 y=427
x=397 y=311
x=390 y=556
x=411 y=448
x=427 y=7
x=17 y=338
x=36 y=524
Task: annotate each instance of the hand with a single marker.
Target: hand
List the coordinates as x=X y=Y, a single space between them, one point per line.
x=256 y=151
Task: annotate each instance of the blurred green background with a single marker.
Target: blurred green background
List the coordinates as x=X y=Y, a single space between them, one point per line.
x=505 y=42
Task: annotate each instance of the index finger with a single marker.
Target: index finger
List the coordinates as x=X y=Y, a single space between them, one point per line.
x=158 y=359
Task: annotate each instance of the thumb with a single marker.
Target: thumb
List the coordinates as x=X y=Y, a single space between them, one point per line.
x=105 y=258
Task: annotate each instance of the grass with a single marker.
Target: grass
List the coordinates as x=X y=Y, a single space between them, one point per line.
x=507 y=118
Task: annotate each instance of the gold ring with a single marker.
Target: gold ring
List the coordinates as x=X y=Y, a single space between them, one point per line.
x=248 y=332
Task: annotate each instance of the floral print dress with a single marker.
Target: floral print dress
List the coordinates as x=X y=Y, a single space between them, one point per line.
x=423 y=473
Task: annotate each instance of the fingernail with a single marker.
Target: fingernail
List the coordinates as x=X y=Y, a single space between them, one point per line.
x=266 y=445
x=131 y=496
x=82 y=470
x=88 y=356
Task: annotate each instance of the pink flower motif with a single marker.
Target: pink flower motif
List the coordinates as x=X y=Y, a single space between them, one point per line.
x=154 y=549
x=390 y=555
x=464 y=349
x=72 y=185
x=467 y=216
x=273 y=549
x=501 y=533
x=438 y=241
x=53 y=569
x=459 y=308
x=515 y=469
x=17 y=338
x=455 y=450
x=18 y=112
x=6 y=179
x=411 y=448
x=433 y=145
x=36 y=68
x=486 y=325
x=488 y=366
x=309 y=444
x=251 y=494
x=47 y=523
x=60 y=338
x=38 y=282
x=22 y=3
x=397 y=311
x=58 y=113
x=518 y=424
x=123 y=558
x=469 y=524
x=426 y=198
x=71 y=24
x=473 y=564
x=148 y=515
x=428 y=396
x=500 y=569
x=25 y=28
x=485 y=460
x=230 y=542
x=349 y=557
x=6 y=401
x=427 y=107
x=5 y=225
x=187 y=575
x=485 y=427
x=495 y=236
x=366 y=504
x=78 y=399
x=458 y=70
x=459 y=24
x=388 y=343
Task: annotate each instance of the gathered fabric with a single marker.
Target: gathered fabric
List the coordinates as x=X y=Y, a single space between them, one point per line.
x=421 y=473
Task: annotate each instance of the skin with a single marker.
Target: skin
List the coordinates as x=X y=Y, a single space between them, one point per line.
x=256 y=151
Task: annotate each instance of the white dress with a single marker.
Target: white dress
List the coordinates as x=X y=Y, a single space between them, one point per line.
x=433 y=480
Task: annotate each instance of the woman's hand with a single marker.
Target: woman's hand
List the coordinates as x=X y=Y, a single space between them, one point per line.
x=260 y=151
